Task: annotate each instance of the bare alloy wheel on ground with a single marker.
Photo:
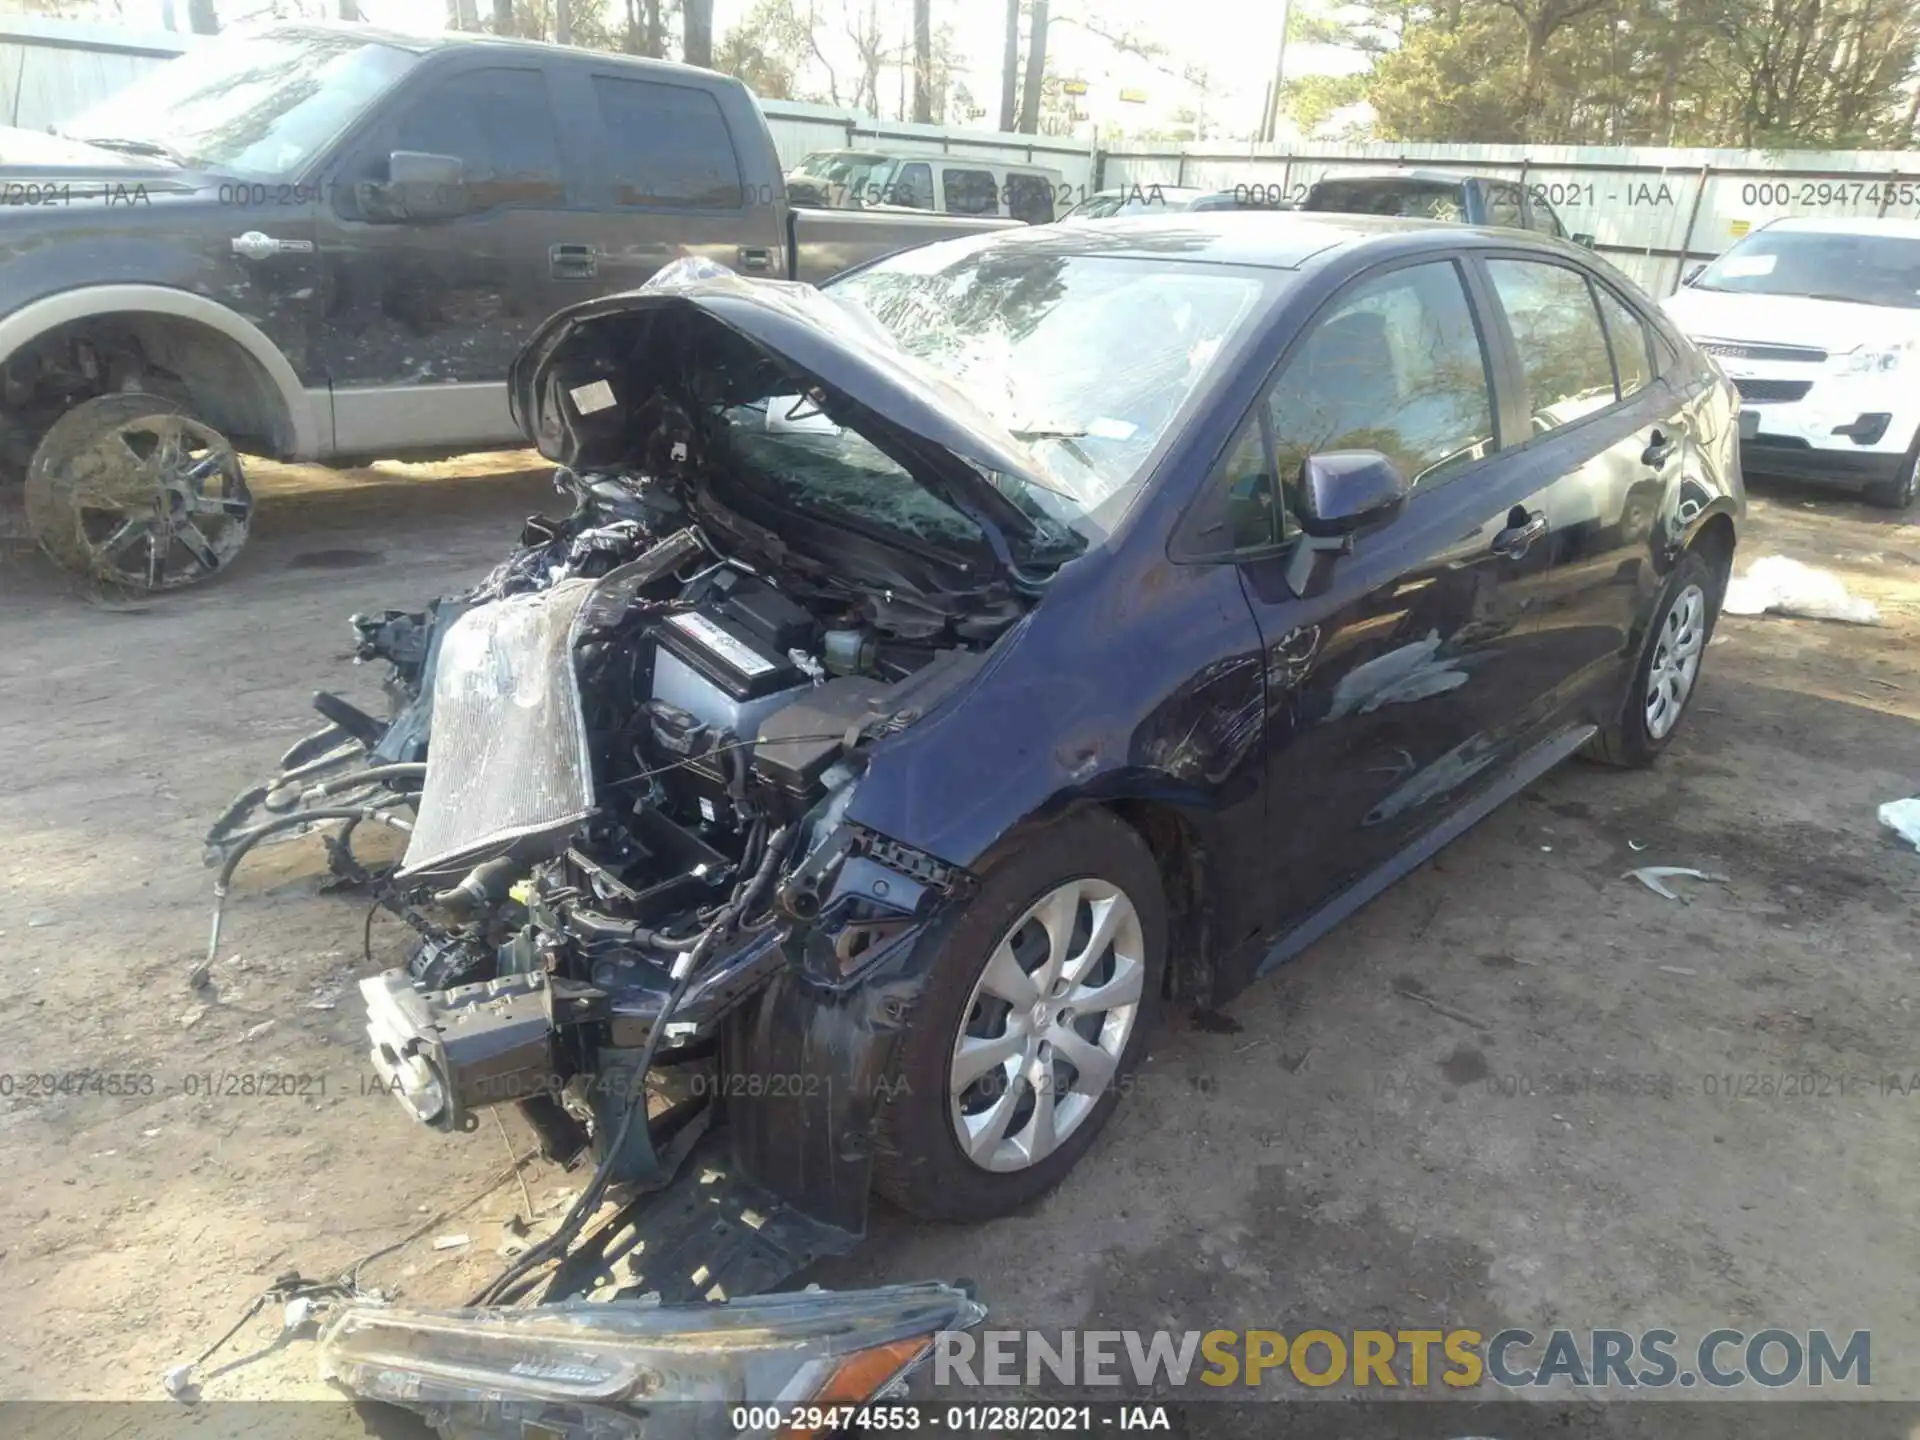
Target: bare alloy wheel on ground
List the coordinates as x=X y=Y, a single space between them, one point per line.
x=131 y=491
x=1628 y=1112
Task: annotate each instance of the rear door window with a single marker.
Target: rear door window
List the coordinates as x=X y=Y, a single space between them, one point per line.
x=1540 y=217
x=667 y=146
x=1030 y=198
x=1396 y=366
x=1627 y=335
x=970 y=192
x=1412 y=199
x=913 y=186
x=1557 y=334
x=1503 y=206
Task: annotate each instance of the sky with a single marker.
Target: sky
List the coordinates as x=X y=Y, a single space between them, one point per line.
x=1233 y=40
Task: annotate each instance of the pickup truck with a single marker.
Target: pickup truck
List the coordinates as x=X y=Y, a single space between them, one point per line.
x=328 y=243
x=1439 y=195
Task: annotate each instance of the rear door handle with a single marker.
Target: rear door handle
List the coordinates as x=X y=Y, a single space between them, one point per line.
x=1660 y=446
x=573 y=262
x=755 y=258
x=1516 y=540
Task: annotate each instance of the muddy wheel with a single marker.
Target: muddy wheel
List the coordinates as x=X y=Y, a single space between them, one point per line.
x=131 y=490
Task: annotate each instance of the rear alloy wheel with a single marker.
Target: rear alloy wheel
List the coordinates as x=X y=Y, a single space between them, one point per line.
x=1037 y=1007
x=1669 y=668
x=132 y=491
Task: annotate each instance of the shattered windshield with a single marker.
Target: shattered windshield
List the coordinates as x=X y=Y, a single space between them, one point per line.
x=794 y=451
x=1087 y=359
x=258 y=105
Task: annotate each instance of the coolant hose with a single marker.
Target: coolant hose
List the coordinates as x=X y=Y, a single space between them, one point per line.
x=410 y=770
x=247 y=839
x=683 y=973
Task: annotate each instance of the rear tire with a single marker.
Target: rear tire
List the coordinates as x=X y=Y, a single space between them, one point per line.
x=1668 y=671
x=966 y=1062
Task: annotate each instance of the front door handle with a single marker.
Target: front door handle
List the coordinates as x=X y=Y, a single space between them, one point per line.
x=573 y=262
x=754 y=257
x=256 y=246
x=1660 y=446
x=1522 y=530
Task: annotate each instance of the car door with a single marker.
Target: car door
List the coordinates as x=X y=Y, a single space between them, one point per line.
x=667 y=180
x=1607 y=440
x=423 y=317
x=1396 y=673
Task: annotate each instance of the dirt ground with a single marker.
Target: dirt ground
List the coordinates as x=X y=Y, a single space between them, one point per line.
x=1440 y=1114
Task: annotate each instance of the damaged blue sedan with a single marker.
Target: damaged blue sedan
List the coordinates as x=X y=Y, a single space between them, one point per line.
x=942 y=673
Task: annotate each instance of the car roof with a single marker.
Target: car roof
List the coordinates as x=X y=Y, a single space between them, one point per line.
x=1273 y=239
x=1431 y=177
x=1849 y=225
x=428 y=43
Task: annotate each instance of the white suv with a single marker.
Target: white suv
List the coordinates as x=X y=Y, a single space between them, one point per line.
x=1817 y=323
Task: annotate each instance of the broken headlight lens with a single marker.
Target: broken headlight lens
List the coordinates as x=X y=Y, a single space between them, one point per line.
x=584 y=1370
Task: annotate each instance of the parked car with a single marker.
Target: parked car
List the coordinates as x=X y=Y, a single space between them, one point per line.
x=944 y=184
x=1020 y=635
x=1818 y=324
x=1152 y=199
x=1438 y=195
x=324 y=243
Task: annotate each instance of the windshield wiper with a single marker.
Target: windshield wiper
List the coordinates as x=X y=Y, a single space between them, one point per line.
x=134 y=147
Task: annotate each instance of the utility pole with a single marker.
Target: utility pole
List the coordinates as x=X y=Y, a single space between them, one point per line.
x=1010 y=69
x=1270 y=122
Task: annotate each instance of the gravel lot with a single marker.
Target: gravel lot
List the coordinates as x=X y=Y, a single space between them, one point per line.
x=1518 y=1089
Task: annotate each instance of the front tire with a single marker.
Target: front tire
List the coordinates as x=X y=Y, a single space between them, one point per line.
x=1899 y=492
x=133 y=491
x=1668 y=670
x=1040 y=999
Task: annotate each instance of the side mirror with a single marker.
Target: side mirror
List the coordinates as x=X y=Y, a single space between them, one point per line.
x=1343 y=490
x=1340 y=492
x=1694 y=272
x=1583 y=238
x=418 y=186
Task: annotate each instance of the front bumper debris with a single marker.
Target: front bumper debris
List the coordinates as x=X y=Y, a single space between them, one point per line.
x=643 y=1366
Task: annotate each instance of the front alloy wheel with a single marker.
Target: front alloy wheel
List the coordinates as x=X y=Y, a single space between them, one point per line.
x=1047 y=1024
x=134 y=492
x=1038 y=998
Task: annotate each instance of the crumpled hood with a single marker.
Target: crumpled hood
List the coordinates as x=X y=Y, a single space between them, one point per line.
x=867 y=382
x=1835 y=326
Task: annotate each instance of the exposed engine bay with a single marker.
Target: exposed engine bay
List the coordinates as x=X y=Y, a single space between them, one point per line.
x=650 y=758
x=624 y=759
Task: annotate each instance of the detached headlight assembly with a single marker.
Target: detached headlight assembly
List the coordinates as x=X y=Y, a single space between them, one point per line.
x=1869 y=361
x=593 y=1371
